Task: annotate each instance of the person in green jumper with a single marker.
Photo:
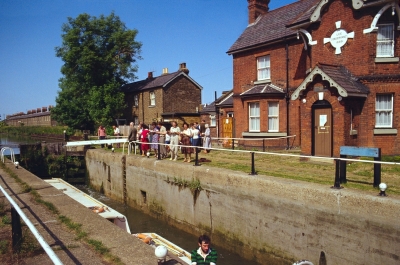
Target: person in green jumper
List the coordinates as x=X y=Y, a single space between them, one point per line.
x=204 y=255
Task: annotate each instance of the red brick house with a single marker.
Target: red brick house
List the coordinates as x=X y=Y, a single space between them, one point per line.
x=170 y=96
x=219 y=115
x=325 y=71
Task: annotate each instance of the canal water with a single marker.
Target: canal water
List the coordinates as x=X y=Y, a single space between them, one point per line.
x=142 y=223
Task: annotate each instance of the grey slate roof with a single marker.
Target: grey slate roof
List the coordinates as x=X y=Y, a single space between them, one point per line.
x=225 y=100
x=344 y=78
x=155 y=82
x=263 y=89
x=273 y=25
x=209 y=108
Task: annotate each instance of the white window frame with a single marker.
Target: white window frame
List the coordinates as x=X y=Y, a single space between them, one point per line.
x=213 y=121
x=263 y=68
x=385 y=40
x=229 y=114
x=136 y=100
x=273 y=116
x=152 y=98
x=384 y=111
x=254 y=117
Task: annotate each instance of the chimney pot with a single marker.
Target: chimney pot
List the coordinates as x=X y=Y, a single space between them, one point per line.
x=182 y=67
x=257 y=8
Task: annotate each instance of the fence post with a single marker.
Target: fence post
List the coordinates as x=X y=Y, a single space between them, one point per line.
x=16 y=230
x=337 y=176
x=377 y=169
x=263 y=145
x=253 y=170
x=342 y=171
x=233 y=144
x=196 y=160
x=158 y=152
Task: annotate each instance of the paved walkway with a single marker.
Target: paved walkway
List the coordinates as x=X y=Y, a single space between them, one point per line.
x=70 y=250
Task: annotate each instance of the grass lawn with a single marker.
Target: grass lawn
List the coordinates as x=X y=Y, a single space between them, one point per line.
x=289 y=165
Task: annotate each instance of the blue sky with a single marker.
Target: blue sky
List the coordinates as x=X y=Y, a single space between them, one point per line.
x=198 y=32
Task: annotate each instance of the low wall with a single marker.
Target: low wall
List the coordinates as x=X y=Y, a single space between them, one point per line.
x=272 y=220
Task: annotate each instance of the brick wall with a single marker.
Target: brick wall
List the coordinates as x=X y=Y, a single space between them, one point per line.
x=182 y=95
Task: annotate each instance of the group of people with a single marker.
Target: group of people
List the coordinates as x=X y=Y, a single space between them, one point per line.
x=170 y=140
x=102 y=134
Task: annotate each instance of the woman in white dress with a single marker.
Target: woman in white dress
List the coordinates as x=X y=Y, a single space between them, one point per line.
x=207 y=139
x=174 y=133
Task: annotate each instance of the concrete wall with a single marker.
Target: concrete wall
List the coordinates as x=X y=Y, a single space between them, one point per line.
x=257 y=215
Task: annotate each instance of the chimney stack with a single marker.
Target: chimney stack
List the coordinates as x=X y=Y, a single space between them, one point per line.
x=257 y=8
x=182 y=67
x=149 y=75
x=165 y=71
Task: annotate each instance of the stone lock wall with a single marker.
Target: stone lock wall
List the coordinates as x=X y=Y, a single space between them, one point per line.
x=257 y=216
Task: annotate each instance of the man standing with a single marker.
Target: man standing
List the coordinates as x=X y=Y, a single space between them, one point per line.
x=132 y=137
x=204 y=255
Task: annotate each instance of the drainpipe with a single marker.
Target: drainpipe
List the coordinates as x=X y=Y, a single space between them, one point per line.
x=287 y=95
x=216 y=112
x=142 y=109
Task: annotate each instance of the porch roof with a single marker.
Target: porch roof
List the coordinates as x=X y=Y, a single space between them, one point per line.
x=339 y=77
x=263 y=89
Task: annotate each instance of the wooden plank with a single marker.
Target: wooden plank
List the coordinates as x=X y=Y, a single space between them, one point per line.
x=359 y=151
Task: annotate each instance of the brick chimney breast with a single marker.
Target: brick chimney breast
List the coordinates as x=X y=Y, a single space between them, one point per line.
x=257 y=8
x=182 y=67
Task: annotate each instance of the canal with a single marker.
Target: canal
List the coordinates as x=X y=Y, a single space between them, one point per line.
x=140 y=222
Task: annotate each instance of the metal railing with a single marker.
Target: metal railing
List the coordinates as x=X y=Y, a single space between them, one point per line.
x=11 y=154
x=17 y=213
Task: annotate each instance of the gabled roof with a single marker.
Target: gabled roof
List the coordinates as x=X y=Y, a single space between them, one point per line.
x=263 y=89
x=225 y=100
x=156 y=82
x=339 y=77
x=272 y=26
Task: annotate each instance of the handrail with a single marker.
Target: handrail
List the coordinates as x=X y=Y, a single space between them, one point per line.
x=33 y=229
x=11 y=152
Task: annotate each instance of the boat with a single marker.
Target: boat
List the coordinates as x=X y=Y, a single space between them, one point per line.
x=157 y=240
x=117 y=218
x=91 y=203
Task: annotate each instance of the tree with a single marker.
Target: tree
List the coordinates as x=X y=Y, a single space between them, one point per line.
x=99 y=56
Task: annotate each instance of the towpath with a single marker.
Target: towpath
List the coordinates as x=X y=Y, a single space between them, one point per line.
x=61 y=239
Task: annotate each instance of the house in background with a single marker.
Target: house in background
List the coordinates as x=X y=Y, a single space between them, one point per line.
x=35 y=117
x=325 y=71
x=170 y=96
x=219 y=115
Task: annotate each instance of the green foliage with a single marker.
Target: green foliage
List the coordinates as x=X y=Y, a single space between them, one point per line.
x=2 y=206
x=99 y=56
x=4 y=246
x=5 y=220
x=33 y=130
x=56 y=165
